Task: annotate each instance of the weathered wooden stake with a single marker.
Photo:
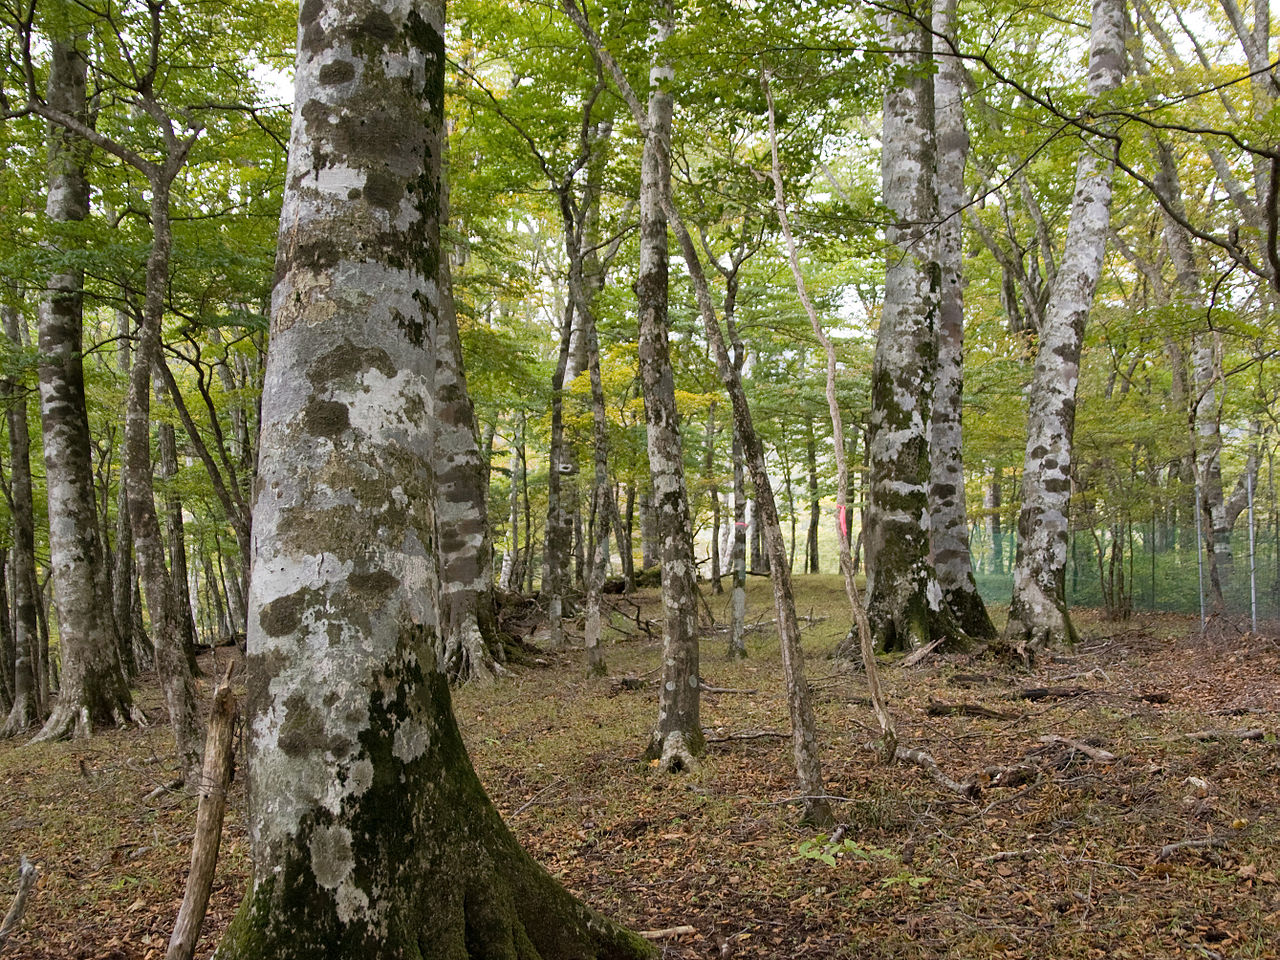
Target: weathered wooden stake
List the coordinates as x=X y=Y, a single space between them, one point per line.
x=214 y=780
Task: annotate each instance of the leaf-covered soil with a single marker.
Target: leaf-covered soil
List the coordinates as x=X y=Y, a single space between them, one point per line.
x=1068 y=850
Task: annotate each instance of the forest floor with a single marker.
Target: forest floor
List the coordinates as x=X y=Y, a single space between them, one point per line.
x=1066 y=854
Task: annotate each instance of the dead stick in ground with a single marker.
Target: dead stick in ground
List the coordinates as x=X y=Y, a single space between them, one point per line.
x=27 y=874
x=214 y=779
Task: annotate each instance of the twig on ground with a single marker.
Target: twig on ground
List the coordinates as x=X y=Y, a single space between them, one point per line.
x=1169 y=849
x=1093 y=753
x=537 y=796
x=748 y=735
x=1227 y=734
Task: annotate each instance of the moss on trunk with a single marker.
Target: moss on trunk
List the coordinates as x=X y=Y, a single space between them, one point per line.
x=419 y=864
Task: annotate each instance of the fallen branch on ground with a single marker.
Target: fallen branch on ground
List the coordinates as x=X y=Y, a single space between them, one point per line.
x=1093 y=753
x=1050 y=693
x=749 y=735
x=667 y=932
x=923 y=759
x=707 y=688
x=937 y=708
x=1169 y=849
x=1227 y=735
x=27 y=874
x=916 y=656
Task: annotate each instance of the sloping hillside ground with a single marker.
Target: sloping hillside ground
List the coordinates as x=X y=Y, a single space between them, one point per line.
x=1169 y=848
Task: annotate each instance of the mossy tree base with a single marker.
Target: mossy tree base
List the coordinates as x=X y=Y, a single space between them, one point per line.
x=418 y=866
x=676 y=751
x=1026 y=637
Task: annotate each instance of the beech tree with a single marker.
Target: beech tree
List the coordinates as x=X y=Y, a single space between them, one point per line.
x=92 y=689
x=904 y=598
x=371 y=834
x=1038 y=610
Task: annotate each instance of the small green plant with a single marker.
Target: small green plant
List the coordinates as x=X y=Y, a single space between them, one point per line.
x=913 y=880
x=825 y=850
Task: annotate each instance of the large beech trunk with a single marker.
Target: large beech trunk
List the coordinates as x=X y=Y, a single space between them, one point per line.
x=93 y=690
x=948 y=518
x=371 y=835
x=1038 y=609
x=905 y=603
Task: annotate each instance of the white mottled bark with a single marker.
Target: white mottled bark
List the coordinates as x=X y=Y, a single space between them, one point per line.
x=949 y=522
x=905 y=603
x=1037 y=611
x=371 y=835
x=677 y=739
x=469 y=642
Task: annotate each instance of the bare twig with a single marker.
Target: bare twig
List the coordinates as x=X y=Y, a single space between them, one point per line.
x=537 y=796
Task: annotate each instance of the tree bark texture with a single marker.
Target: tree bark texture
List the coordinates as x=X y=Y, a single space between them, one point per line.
x=167 y=621
x=371 y=834
x=1038 y=609
x=949 y=522
x=677 y=739
x=905 y=603
x=470 y=643
x=24 y=711
x=93 y=688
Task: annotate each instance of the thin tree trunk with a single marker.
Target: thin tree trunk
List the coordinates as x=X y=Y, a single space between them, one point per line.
x=167 y=621
x=559 y=528
x=24 y=711
x=92 y=689
x=812 y=563
x=713 y=493
x=1038 y=609
x=677 y=739
x=867 y=641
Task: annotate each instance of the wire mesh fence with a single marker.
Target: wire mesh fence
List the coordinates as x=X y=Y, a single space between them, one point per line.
x=1153 y=567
